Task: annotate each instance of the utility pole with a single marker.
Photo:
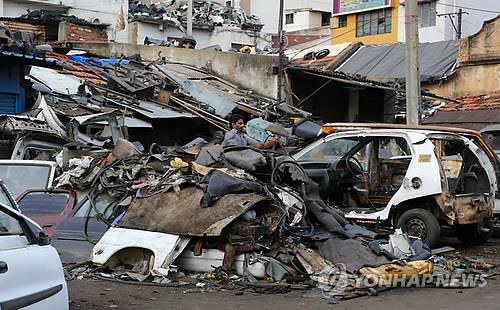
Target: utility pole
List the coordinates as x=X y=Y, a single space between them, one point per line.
x=412 y=67
x=189 y=17
x=459 y=32
x=281 y=40
x=458 y=27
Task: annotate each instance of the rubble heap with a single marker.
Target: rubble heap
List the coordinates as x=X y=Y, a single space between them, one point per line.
x=206 y=15
x=207 y=218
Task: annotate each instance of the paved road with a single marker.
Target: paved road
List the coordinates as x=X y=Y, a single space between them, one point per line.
x=89 y=294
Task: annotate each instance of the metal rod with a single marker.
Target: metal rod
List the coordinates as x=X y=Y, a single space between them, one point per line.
x=189 y=17
x=281 y=52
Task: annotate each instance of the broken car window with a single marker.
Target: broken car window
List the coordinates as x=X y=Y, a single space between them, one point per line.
x=329 y=151
x=392 y=147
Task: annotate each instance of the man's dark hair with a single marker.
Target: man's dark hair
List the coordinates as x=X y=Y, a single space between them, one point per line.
x=233 y=119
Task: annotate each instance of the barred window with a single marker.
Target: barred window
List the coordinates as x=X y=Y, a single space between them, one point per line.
x=427 y=14
x=374 y=22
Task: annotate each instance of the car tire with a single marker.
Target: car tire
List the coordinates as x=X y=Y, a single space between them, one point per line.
x=421 y=223
x=469 y=234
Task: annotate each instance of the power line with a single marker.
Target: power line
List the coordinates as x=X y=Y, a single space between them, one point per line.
x=469 y=8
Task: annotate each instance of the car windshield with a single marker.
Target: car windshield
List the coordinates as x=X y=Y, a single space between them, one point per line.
x=20 y=177
x=43 y=203
x=329 y=150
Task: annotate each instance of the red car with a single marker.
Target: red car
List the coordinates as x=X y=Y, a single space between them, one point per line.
x=47 y=207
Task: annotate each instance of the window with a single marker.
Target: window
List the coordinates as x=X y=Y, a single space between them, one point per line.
x=20 y=177
x=9 y=225
x=340 y=21
x=427 y=14
x=289 y=18
x=43 y=203
x=4 y=198
x=103 y=203
x=374 y=22
x=325 y=19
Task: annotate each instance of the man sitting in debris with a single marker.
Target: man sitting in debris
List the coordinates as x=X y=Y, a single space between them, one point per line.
x=237 y=135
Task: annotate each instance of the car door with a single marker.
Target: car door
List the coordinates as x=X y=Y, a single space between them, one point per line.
x=76 y=235
x=31 y=273
x=47 y=207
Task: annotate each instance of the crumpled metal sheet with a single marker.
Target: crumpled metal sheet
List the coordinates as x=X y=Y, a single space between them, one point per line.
x=181 y=214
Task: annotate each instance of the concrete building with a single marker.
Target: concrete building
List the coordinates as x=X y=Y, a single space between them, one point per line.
x=383 y=21
x=110 y=12
x=478 y=65
x=298 y=14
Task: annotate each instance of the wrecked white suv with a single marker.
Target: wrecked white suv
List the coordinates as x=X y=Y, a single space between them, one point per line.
x=417 y=178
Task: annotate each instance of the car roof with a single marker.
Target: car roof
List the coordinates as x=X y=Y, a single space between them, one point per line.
x=398 y=127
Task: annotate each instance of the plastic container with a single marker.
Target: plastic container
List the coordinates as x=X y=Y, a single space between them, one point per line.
x=213 y=257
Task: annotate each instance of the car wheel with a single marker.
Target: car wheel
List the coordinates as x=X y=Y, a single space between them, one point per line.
x=471 y=235
x=422 y=224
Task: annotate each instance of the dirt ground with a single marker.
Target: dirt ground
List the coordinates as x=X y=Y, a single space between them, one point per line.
x=97 y=294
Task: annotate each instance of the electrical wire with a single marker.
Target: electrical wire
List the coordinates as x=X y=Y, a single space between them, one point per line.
x=468 y=8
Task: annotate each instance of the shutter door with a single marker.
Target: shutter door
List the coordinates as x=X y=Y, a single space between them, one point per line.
x=8 y=103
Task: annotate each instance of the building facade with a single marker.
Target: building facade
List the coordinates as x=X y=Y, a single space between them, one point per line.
x=298 y=15
x=383 y=21
x=112 y=12
x=478 y=65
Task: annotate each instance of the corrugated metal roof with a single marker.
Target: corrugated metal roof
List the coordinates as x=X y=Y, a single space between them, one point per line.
x=151 y=110
x=30 y=59
x=387 y=61
x=203 y=87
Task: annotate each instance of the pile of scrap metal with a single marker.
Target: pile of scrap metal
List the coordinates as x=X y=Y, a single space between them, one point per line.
x=206 y=15
x=94 y=101
x=236 y=218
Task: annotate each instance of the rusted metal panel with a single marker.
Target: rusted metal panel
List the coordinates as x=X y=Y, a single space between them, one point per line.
x=472 y=209
x=181 y=214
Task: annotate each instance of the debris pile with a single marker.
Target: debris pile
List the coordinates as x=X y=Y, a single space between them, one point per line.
x=206 y=15
x=240 y=218
x=94 y=101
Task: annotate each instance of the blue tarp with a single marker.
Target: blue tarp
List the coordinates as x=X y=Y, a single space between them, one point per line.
x=98 y=62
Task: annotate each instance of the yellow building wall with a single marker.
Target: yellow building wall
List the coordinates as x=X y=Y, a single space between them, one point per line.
x=348 y=34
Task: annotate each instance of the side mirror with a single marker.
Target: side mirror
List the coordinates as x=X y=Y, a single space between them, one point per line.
x=42 y=238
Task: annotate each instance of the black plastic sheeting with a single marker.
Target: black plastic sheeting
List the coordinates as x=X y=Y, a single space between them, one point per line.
x=387 y=61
